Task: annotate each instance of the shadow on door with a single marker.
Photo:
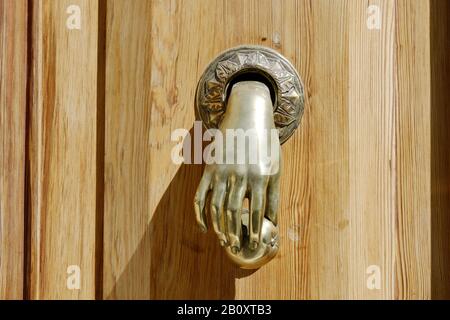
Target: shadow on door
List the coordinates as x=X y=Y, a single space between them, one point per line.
x=184 y=263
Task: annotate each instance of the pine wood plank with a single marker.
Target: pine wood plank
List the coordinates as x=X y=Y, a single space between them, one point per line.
x=62 y=150
x=13 y=79
x=413 y=151
x=362 y=178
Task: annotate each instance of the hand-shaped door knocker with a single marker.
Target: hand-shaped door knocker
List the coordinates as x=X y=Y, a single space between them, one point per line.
x=251 y=100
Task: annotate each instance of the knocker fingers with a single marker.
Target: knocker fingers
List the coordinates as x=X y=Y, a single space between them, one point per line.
x=273 y=197
x=199 y=200
x=237 y=186
x=217 y=208
x=257 y=199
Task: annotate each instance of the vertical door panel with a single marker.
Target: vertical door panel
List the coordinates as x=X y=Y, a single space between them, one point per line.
x=413 y=151
x=314 y=194
x=355 y=198
x=13 y=79
x=364 y=197
x=371 y=116
x=440 y=149
x=62 y=150
x=155 y=53
x=127 y=116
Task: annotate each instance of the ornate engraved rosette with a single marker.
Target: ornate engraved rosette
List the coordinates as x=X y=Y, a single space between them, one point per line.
x=276 y=69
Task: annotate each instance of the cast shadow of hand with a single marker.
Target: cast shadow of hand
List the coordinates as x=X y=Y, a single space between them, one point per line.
x=174 y=259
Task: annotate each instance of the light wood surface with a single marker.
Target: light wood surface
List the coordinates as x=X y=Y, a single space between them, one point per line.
x=371 y=174
x=62 y=150
x=13 y=79
x=413 y=153
x=356 y=191
x=366 y=176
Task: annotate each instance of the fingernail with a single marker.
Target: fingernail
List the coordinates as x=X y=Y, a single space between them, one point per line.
x=254 y=245
x=235 y=249
x=223 y=243
x=203 y=229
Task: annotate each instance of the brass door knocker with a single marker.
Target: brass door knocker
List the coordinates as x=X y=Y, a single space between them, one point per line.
x=252 y=100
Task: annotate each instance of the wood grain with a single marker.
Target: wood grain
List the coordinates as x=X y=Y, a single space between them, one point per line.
x=359 y=187
x=440 y=149
x=371 y=184
x=62 y=150
x=413 y=152
x=127 y=112
x=13 y=79
x=366 y=176
x=324 y=233
x=151 y=243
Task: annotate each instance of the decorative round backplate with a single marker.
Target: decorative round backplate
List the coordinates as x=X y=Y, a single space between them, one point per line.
x=272 y=66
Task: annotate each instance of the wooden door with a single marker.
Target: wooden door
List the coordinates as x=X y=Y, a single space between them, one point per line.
x=357 y=184
x=13 y=87
x=365 y=187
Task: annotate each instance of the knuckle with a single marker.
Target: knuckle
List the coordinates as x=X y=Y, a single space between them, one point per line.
x=219 y=233
x=198 y=196
x=216 y=229
x=239 y=178
x=199 y=221
x=197 y=202
x=234 y=240
x=217 y=201
x=214 y=209
x=219 y=174
x=233 y=209
x=231 y=212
